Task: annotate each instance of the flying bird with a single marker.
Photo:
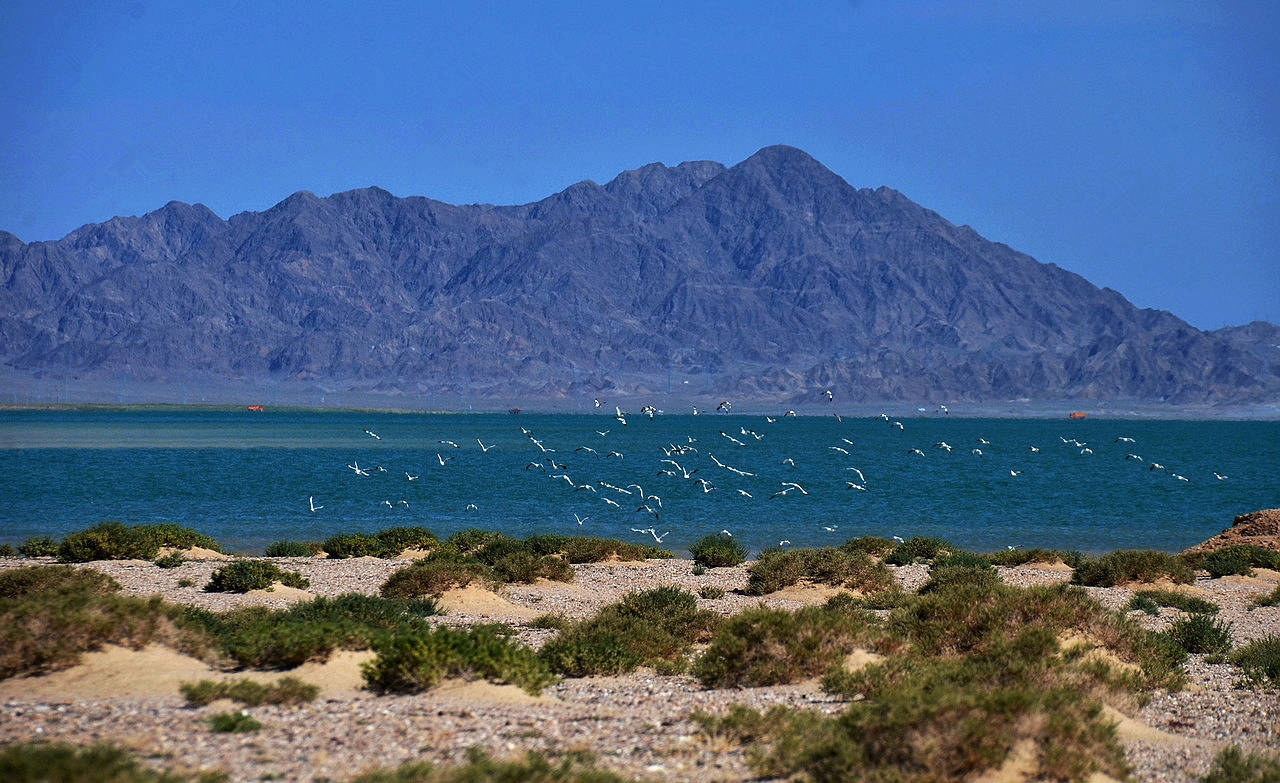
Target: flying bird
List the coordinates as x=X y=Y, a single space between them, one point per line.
x=311 y=501
x=483 y=448
x=372 y=434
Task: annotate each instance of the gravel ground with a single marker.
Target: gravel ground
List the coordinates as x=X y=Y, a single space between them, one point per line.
x=638 y=725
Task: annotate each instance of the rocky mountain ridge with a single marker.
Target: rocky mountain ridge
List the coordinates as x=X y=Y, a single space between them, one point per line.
x=770 y=279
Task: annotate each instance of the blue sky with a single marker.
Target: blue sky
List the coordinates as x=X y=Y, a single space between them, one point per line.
x=1136 y=143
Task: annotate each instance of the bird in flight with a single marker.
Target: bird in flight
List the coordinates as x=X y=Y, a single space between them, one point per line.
x=359 y=471
x=483 y=448
x=372 y=434
x=312 y=502
x=411 y=478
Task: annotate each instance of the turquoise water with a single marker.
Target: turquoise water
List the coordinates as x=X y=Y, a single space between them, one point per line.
x=245 y=478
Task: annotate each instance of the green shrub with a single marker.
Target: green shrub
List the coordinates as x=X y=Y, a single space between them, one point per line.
x=588 y=549
x=1131 y=566
x=1259 y=660
x=245 y=575
x=7 y=551
x=435 y=575
x=532 y=768
x=397 y=539
x=51 y=614
x=415 y=662
x=651 y=628
x=257 y=637
x=171 y=560
x=917 y=548
x=293 y=549
x=1143 y=603
x=556 y=621
x=710 y=592
x=1267 y=599
x=286 y=690
x=1200 y=633
x=1233 y=765
x=186 y=583
x=470 y=541
x=771 y=646
x=1228 y=561
x=871 y=545
x=38 y=762
x=233 y=723
x=1186 y=603
x=39 y=546
x=114 y=541
x=699 y=570
x=777 y=569
x=960 y=558
x=344 y=545
x=718 y=551
x=943 y=576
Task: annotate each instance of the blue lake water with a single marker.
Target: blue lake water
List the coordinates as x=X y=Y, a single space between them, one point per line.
x=245 y=478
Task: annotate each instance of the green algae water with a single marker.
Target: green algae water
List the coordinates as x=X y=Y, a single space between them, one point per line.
x=250 y=478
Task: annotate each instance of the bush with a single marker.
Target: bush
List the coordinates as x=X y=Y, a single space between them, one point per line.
x=1233 y=765
x=470 y=541
x=1131 y=566
x=257 y=637
x=584 y=549
x=771 y=646
x=171 y=560
x=39 y=546
x=917 y=548
x=233 y=723
x=532 y=768
x=344 y=545
x=871 y=545
x=286 y=690
x=777 y=569
x=245 y=575
x=38 y=762
x=1200 y=633
x=652 y=628
x=699 y=570
x=1267 y=599
x=397 y=539
x=51 y=614
x=944 y=576
x=7 y=551
x=114 y=541
x=415 y=662
x=434 y=575
x=1259 y=660
x=718 y=551
x=710 y=592
x=556 y=621
x=293 y=549
x=1232 y=560
x=1157 y=598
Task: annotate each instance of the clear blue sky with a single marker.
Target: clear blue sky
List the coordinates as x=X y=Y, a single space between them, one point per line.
x=1137 y=143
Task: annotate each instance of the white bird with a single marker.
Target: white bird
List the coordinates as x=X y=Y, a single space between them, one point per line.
x=731 y=438
x=387 y=503
x=596 y=402
x=483 y=448
x=784 y=542
x=1134 y=457
x=404 y=503
x=984 y=441
x=607 y=485
x=582 y=487
x=827 y=394
x=613 y=503
x=579 y=519
x=564 y=476
x=789 y=461
x=1015 y=473
x=861 y=477
x=613 y=454
x=897 y=425
x=618 y=415
x=442 y=459
x=725 y=406
x=1219 y=476
x=915 y=451
x=830 y=528
x=1123 y=439
x=793 y=485
x=1155 y=466
x=695 y=410
x=899 y=539
x=411 y=478
x=707 y=486
x=381 y=469
x=744 y=493
x=312 y=502
x=602 y=434
x=589 y=450
x=541 y=448
x=1180 y=477
x=851 y=485
x=726 y=533
x=372 y=434
x=1086 y=450
x=976 y=452
x=942 y=444
x=449 y=443
x=359 y=471
x=1033 y=449
x=846 y=440
x=837 y=448
x=883 y=417
x=471 y=507
x=769 y=420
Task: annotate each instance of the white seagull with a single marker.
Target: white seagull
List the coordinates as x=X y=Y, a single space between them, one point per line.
x=312 y=502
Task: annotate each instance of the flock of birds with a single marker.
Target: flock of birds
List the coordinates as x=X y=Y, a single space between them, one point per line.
x=690 y=468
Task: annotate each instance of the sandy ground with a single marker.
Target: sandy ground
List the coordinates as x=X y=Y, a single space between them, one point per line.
x=637 y=725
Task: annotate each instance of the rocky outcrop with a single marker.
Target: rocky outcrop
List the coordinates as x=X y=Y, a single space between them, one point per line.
x=1257 y=528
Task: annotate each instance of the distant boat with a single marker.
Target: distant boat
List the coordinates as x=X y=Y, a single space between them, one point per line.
x=513 y=410
x=255 y=409
x=1076 y=415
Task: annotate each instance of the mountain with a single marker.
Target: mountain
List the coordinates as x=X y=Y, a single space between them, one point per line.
x=772 y=279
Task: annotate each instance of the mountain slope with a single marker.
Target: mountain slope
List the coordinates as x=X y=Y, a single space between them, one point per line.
x=774 y=277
